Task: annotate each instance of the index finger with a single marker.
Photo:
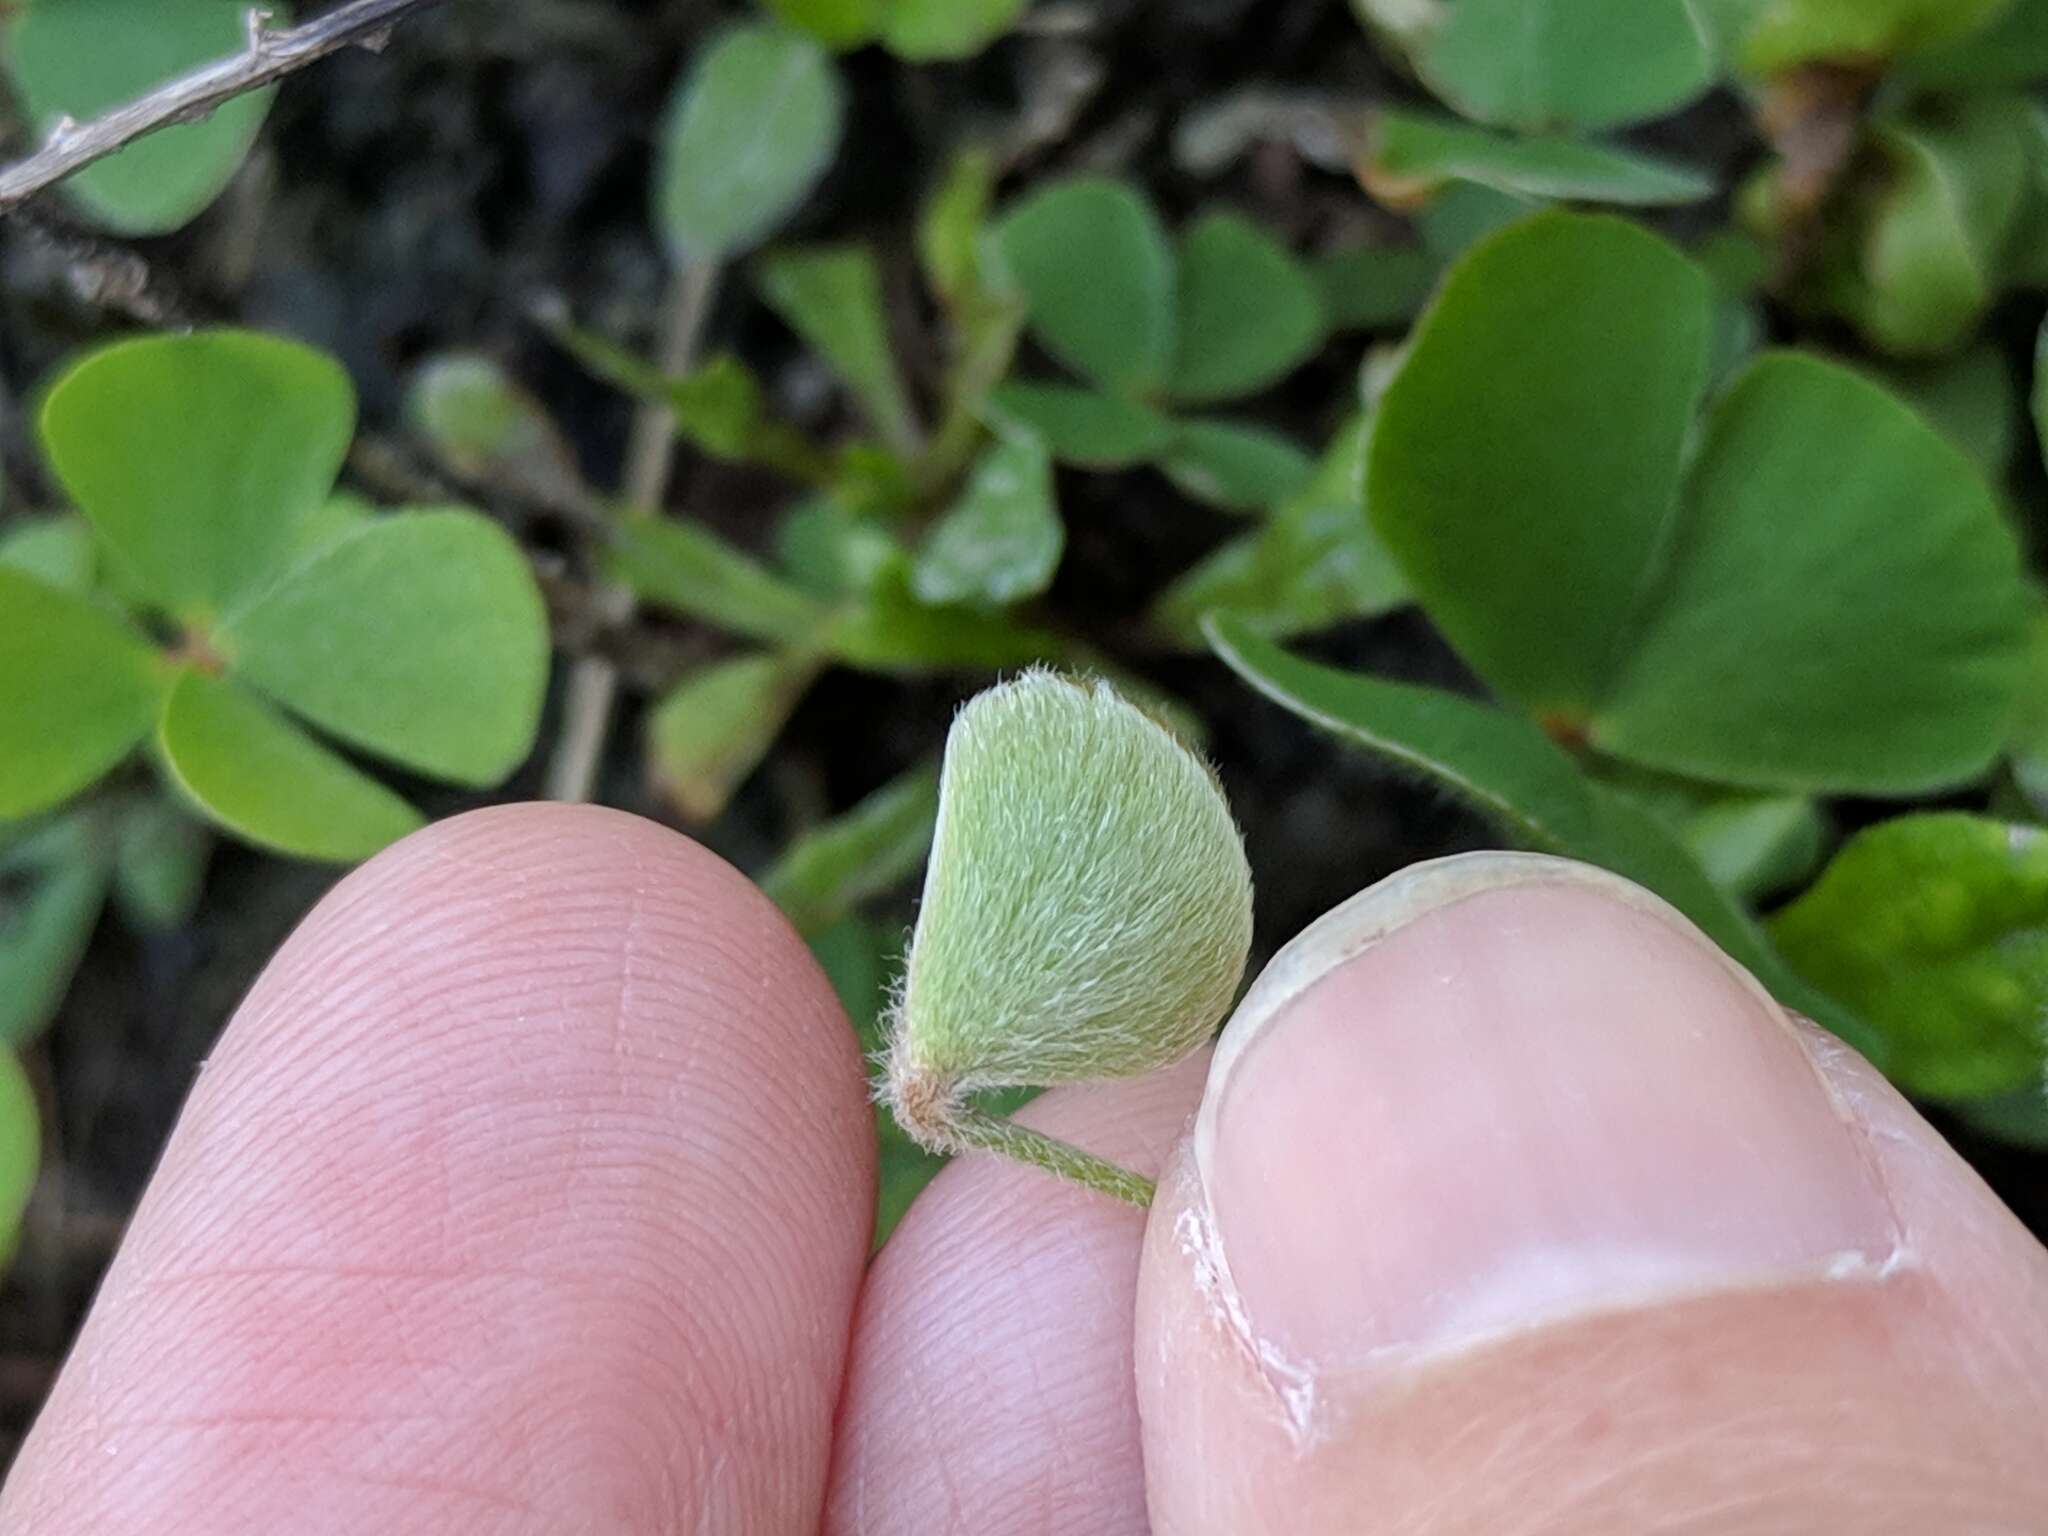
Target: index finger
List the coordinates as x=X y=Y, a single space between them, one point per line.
x=527 y=1191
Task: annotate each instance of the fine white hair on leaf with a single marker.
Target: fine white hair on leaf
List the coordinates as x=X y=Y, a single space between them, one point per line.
x=1087 y=909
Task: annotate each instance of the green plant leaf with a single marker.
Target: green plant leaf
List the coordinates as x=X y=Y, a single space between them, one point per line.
x=1237 y=465
x=1578 y=64
x=835 y=23
x=1375 y=287
x=1922 y=255
x=79 y=58
x=947 y=29
x=420 y=637
x=1872 y=644
x=1082 y=426
x=870 y=850
x=196 y=456
x=1413 y=155
x=2027 y=737
x=56 y=550
x=891 y=630
x=21 y=1145
x=831 y=551
x=1314 y=562
x=1249 y=314
x=1001 y=541
x=952 y=222
x=749 y=132
x=1935 y=926
x=1097 y=276
x=696 y=573
x=831 y=296
x=1525 y=461
x=160 y=859
x=1969 y=399
x=1768 y=37
x=1515 y=776
x=53 y=883
x=1065 y=809
x=78 y=691
x=2020 y=1118
x=1756 y=845
x=483 y=426
x=260 y=777
x=1525 y=471
x=713 y=728
x=2011 y=51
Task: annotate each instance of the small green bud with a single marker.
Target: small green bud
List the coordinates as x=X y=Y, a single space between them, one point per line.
x=1087 y=910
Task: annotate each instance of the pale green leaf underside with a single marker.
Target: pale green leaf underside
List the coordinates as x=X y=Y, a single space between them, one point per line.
x=1087 y=908
x=1237 y=465
x=266 y=781
x=419 y=637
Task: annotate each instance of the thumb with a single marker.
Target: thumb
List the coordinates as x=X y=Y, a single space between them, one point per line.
x=1513 y=1207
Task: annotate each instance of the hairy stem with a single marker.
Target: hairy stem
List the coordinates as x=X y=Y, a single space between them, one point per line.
x=982 y=1132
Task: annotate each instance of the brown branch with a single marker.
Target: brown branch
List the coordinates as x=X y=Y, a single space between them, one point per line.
x=267 y=58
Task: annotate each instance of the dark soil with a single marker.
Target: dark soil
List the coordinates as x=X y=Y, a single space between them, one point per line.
x=498 y=153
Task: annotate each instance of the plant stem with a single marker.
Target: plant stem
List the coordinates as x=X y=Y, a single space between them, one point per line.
x=268 y=57
x=650 y=459
x=992 y=1133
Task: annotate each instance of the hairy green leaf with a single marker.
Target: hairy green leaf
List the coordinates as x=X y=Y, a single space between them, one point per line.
x=1087 y=907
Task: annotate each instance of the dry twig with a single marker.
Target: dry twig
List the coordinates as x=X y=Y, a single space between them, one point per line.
x=268 y=57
